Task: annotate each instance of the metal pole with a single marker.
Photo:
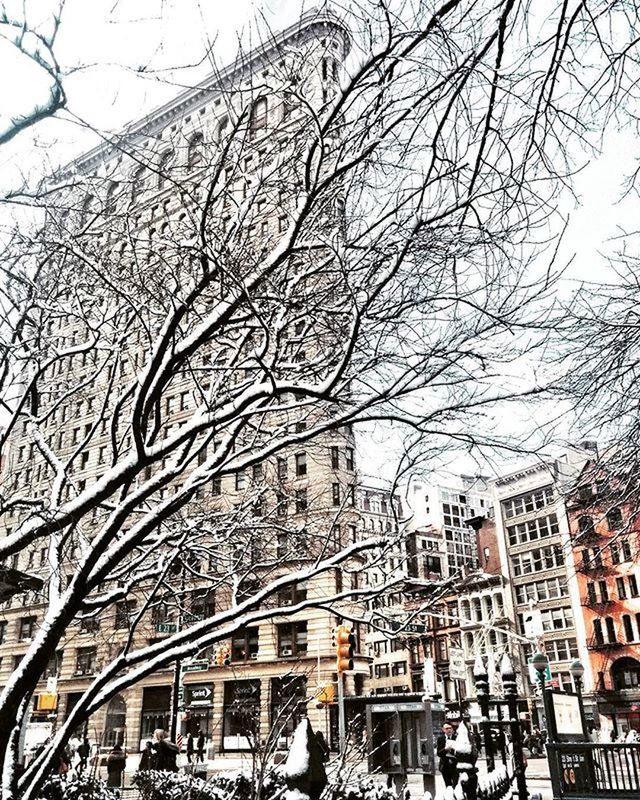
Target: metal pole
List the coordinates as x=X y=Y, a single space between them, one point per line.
x=481 y=678
x=342 y=723
x=508 y=675
x=177 y=673
x=583 y=718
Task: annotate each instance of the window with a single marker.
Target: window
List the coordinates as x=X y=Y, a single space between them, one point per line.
x=163 y=167
x=292 y=639
x=27 y=629
x=626 y=550
x=622 y=589
x=216 y=486
x=533 y=529
x=586 y=526
x=3 y=631
x=335 y=494
x=137 y=183
x=281 y=505
x=124 y=610
x=244 y=645
x=258 y=118
x=85 y=660
x=291 y=595
x=614 y=519
x=301 y=464
x=597 y=631
x=194 y=151
x=241 y=480
x=633 y=586
x=349 y=458
x=53 y=665
x=335 y=458
x=301 y=500
x=111 y=203
x=526 y=503
x=203 y=604
x=221 y=130
x=611 y=629
x=282 y=469
x=615 y=553
x=604 y=591
x=628 y=627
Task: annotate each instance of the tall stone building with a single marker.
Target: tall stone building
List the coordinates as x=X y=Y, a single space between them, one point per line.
x=133 y=204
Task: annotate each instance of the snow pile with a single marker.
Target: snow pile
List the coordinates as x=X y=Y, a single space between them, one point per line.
x=77 y=787
x=156 y=785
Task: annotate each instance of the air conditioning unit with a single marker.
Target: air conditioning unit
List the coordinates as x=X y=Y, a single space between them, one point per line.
x=253 y=656
x=286 y=651
x=286 y=602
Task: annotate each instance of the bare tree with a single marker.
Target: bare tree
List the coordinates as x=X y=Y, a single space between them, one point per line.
x=30 y=39
x=339 y=241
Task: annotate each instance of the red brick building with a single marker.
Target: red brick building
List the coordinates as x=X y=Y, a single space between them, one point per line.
x=605 y=536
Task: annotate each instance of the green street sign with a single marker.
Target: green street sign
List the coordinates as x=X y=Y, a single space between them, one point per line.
x=166 y=627
x=195 y=666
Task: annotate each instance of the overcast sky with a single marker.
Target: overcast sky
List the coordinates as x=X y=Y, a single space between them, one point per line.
x=124 y=57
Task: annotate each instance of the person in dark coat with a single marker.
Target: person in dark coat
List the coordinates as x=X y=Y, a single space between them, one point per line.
x=200 y=743
x=84 y=751
x=147 y=757
x=166 y=752
x=445 y=744
x=324 y=747
x=116 y=762
x=190 y=748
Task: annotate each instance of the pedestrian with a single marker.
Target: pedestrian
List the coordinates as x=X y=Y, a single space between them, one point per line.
x=166 y=751
x=445 y=749
x=84 y=750
x=147 y=757
x=200 y=743
x=116 y=762
x=190 y=748
x=324 y=747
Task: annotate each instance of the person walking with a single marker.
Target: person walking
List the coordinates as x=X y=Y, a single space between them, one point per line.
x=116 y=762
x=147 y=758
x=200 y=743
x=84 y=751
x=190 y=748
x=166 y=752
x=445 y=749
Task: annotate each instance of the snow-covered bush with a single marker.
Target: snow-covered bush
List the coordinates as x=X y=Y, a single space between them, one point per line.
x=155 y=785
x=77 y=787
x=367 y=788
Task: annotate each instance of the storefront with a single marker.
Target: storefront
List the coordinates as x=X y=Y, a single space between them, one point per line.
x=156 y=705
x=241 y=715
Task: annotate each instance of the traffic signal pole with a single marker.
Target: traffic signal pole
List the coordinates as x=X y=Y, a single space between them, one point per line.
x=342 y=721
x=344 y=641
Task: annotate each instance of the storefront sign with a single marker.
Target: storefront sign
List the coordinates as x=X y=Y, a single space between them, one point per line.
x=198 y=694
x=457 y=665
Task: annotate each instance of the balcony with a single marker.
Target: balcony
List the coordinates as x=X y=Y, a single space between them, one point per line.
x=595 y=644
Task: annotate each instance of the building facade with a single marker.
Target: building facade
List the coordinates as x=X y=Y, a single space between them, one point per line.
x=138 y=200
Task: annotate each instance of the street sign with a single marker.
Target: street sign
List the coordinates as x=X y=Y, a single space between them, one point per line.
x=409 y=627
x=457 y=664
x=195 y=666
x=166 y=627
x=198 y=694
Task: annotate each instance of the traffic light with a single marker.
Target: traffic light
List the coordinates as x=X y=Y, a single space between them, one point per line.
x=226 y=657
x=345 y=643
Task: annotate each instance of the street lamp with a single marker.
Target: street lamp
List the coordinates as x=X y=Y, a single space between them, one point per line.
x=577 y=671
x=540 y=663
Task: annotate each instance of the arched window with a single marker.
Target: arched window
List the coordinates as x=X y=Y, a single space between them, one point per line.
x=614 y=519
x=258 y=121
x=163 y=168
x=585 y=525
x=222 y=128
x=88 y=209
x=116 y=722
x=194 y=152
x=611 y=630
x=628 y=627
x=625 y=673
x=137 y=183
x=597 y=631
x=111 y=202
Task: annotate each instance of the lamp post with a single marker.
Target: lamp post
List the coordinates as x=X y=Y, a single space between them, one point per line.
x=508 y=675
x=540 y=663
x=577 y=671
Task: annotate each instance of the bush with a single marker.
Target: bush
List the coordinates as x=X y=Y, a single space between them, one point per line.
x=366 y=789
x=155 y=785
x=77 y=787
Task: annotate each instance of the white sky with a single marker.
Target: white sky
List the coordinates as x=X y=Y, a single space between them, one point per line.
x=121 y=58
